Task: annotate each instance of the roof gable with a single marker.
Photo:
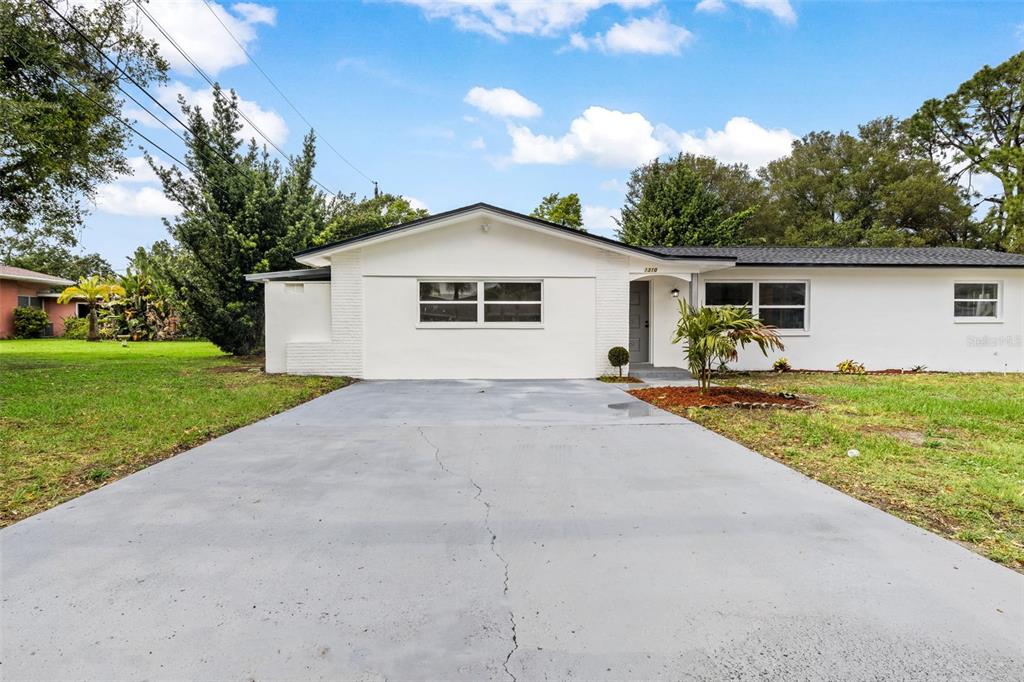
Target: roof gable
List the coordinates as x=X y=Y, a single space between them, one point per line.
x=320 y=256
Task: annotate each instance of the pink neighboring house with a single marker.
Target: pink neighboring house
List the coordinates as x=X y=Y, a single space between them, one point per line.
x=26 y=288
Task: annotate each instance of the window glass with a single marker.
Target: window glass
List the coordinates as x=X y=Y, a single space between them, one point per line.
x=782 y=293
x=511 y=312
x=783 y=318
x=30 y=302
x=975 y=291
x=729 y=293
x=511 y=291
x=974 y=309
x=448 y=312
x=448 y=291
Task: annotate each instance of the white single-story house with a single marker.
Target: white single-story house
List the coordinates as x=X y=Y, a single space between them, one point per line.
x=483 y=292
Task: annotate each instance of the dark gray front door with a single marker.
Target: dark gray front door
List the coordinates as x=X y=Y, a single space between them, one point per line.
x=639 y=321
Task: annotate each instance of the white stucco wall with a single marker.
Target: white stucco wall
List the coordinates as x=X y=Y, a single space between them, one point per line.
x=294 y=312
x=893 y=318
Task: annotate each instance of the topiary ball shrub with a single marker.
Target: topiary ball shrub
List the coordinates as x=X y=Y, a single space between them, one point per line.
x=30 y=323
x=617 y=357
x=76 y=328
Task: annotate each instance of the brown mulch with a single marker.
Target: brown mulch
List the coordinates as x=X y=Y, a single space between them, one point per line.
x=716 y=396
x=612 y=379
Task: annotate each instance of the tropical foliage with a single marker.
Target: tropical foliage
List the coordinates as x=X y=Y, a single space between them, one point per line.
x=94 y=292
x=714 y=335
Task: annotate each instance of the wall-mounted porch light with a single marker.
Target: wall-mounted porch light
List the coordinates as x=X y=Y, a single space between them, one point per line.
x=675 y=293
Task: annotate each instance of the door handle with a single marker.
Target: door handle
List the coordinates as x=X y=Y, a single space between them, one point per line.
x=647 y=324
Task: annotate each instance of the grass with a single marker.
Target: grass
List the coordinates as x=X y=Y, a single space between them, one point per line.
x=943 y=451
x=75 y=415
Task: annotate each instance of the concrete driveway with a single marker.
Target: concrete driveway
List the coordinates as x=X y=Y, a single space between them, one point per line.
x=491 y=530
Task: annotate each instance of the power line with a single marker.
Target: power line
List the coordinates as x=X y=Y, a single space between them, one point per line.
x=280 y=92
x=211 y=82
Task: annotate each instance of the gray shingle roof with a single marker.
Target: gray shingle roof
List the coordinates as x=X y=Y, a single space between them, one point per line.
x=852 y=256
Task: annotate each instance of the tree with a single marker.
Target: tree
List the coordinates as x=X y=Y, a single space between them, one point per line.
x=739 y=191
x=56 y=143
x=560 y=210
x=351 y=217
x=241 y=213
x=872 y=189
x=979 y=129
x=668 y=204
x=714 y=335
x=62 y=262
x=95 y=291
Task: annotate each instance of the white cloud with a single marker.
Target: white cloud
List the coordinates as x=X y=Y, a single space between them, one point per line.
x=415 y=203
x=740 y=141
x=617 y=139
x=602 y=136
x=600 y=219
x=270 y=122
x=199 y=33
x=780 y=9
x=502 y=102
x=478 y=143
x=500 y=18
x=651 y=35
x=122 y=199
x=611 y=185
x=141 y=170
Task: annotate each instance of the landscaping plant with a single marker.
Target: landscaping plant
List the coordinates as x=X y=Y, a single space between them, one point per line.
x=95 y=291
x=715 y=335
x=782 y=365
x=617 y=357
x=30 y=323
x=76 y=328
x=850 y=367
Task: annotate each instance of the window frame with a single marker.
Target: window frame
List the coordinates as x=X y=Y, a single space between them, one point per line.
x=971 y=319
x=481 y=301
x=755 y=304
x=37 y=299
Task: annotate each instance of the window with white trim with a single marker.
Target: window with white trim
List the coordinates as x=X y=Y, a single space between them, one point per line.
x=975 y=301
x=481 y=302
x=780 y=304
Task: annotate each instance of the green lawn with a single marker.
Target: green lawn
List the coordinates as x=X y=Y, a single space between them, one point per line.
x=945 y=452
x=75 y=414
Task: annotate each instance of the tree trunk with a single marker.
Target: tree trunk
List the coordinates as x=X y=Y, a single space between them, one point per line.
x=94 y=334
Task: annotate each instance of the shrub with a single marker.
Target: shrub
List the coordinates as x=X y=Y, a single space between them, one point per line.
x=782 y=365
x=850 y=367
x=30 y=323
x=76 y=328
x=617 y=357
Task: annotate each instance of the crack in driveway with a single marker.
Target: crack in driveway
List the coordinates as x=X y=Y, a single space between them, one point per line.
x=493 y=544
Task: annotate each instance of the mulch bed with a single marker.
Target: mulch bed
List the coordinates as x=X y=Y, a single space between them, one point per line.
x=718 y=396
x=612 y=379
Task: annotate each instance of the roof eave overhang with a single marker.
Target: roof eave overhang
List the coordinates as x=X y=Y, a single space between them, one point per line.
x=52 y=281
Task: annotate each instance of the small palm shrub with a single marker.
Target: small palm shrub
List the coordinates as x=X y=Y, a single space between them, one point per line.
x=781 y=365
x=76 y=328
x=30 y=323
x=715 y=335
x=850 y=367
x=617 y=357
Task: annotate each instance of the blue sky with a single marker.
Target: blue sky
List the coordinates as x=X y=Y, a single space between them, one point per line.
x=455 y=102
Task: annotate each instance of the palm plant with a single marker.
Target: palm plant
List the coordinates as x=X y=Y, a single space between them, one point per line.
x=715 y=335
x=94 y=291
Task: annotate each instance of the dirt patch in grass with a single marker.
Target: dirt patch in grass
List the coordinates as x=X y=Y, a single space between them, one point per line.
x=612 y=379
x=682 y=397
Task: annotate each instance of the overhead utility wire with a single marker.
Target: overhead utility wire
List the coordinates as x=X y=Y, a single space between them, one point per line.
x=211 y=82
x=283 y=96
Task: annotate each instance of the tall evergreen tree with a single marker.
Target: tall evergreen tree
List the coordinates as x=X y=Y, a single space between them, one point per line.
x=669 y=204
x=242 y=212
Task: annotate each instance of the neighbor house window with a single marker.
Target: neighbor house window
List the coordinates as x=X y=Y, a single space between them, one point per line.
x=30 y=302
x=976 y=300
x=780 y=304
x=480 y=302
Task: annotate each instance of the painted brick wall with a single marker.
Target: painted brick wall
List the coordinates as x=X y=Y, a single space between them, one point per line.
x=343 y=355
x=611 y=315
